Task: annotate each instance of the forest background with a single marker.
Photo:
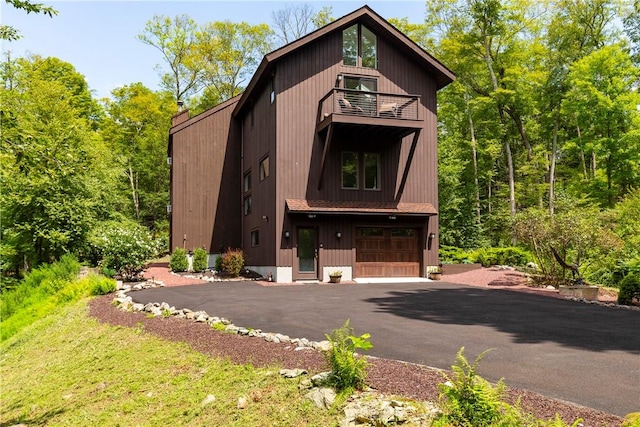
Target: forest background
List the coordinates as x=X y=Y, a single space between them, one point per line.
x=539 y=137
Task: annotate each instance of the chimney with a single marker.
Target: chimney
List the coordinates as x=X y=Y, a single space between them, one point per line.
x=181 y=116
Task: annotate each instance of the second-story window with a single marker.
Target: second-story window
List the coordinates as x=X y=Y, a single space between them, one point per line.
x=350 y=170
x=247 y=181
x=372 y=171
x=264 y=168
x=359 y=47
x=369 y=163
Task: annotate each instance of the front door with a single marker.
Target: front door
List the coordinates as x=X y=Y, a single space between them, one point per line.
x=307 y=253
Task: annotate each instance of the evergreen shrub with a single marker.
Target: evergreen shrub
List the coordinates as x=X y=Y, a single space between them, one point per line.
x=629 y=289
x=200 y=260
x=178 y=262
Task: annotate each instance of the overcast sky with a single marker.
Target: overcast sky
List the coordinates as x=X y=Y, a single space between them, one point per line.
x=99 y=38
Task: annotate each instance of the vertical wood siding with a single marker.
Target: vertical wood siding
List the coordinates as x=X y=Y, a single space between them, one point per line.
x=205 y=183
x=302 y=79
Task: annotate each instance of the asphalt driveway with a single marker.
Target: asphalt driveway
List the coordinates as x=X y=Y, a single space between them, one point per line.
x=586 y=354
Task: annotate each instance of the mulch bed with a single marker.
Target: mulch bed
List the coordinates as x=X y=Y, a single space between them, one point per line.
x=386 y=376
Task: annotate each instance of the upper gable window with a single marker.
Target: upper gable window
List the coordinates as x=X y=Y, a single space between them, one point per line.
x=359 y=47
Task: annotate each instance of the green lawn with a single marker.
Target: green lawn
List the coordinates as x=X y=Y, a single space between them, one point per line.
x=69 y=369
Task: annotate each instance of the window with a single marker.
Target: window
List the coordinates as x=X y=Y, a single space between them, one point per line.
x=403 y=232
x=362 y=100
x=352 y=162
x=247 y=205
x=247 y=181
x=272 y=94
x=255 y=237
x=264 y=168
x=349 y=170
x=359 y=47
x=372 y=171
x=371 y=232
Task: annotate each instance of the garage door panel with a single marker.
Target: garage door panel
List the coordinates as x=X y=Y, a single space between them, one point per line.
x=387 y=252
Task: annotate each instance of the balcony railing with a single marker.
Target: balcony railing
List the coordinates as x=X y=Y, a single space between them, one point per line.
x=369 y=104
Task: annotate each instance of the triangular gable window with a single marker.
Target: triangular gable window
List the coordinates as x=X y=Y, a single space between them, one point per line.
x=359 y=47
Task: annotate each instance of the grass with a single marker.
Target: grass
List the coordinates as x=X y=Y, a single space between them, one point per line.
x=88 y=373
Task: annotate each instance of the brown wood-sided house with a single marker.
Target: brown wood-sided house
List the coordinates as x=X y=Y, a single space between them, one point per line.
x=327 y=161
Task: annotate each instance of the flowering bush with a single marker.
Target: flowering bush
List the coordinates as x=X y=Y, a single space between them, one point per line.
x=124 y=247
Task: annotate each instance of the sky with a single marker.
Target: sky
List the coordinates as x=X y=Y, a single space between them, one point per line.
x=99 y=38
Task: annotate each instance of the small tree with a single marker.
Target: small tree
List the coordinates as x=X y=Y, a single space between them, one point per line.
x=178 y=262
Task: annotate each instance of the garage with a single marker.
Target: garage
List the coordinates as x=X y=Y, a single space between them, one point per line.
x=387 y=252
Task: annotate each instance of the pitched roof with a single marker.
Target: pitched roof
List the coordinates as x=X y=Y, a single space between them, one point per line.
x=376 y=23
x=359 y=207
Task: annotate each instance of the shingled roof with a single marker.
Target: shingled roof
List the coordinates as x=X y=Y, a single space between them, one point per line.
x=359 y=207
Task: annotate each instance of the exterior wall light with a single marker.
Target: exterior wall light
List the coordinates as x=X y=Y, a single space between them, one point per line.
x=287 y=234
x=265 y=218
x=311 y=216
x=338 y=234
x=432 y=236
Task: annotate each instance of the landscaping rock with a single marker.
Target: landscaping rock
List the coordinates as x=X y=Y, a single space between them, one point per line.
x=292 y=373
x=323 y=398
x=208 y=400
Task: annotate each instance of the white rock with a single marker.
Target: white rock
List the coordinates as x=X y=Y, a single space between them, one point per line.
x=242 y=402
x=322 y=397
x=208 y=400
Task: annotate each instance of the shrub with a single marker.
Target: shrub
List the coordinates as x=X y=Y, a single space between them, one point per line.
x=501 y=256
x=178 y=262
x=218 y=263
x=38 y=284
x=101 y=285
x=348 y=371
x=469 y=400
x=200 y=260
x=232 y=262
x=453 y=255
x=46 y=289
x=124 y=247
x=629 y=289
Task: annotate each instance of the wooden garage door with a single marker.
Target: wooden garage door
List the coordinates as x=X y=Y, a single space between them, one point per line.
x=387 y=252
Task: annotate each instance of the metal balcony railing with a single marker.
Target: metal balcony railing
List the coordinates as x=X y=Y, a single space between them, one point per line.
x=369 y=104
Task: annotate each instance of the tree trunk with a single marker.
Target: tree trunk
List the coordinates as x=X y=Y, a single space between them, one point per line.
x=475 y=164
x=512 y=183
x=523 y=132
x=134 y=192
x=582 y=159
x=552 y=169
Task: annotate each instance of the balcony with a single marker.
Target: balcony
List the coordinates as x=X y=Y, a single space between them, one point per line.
x=364 y=111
